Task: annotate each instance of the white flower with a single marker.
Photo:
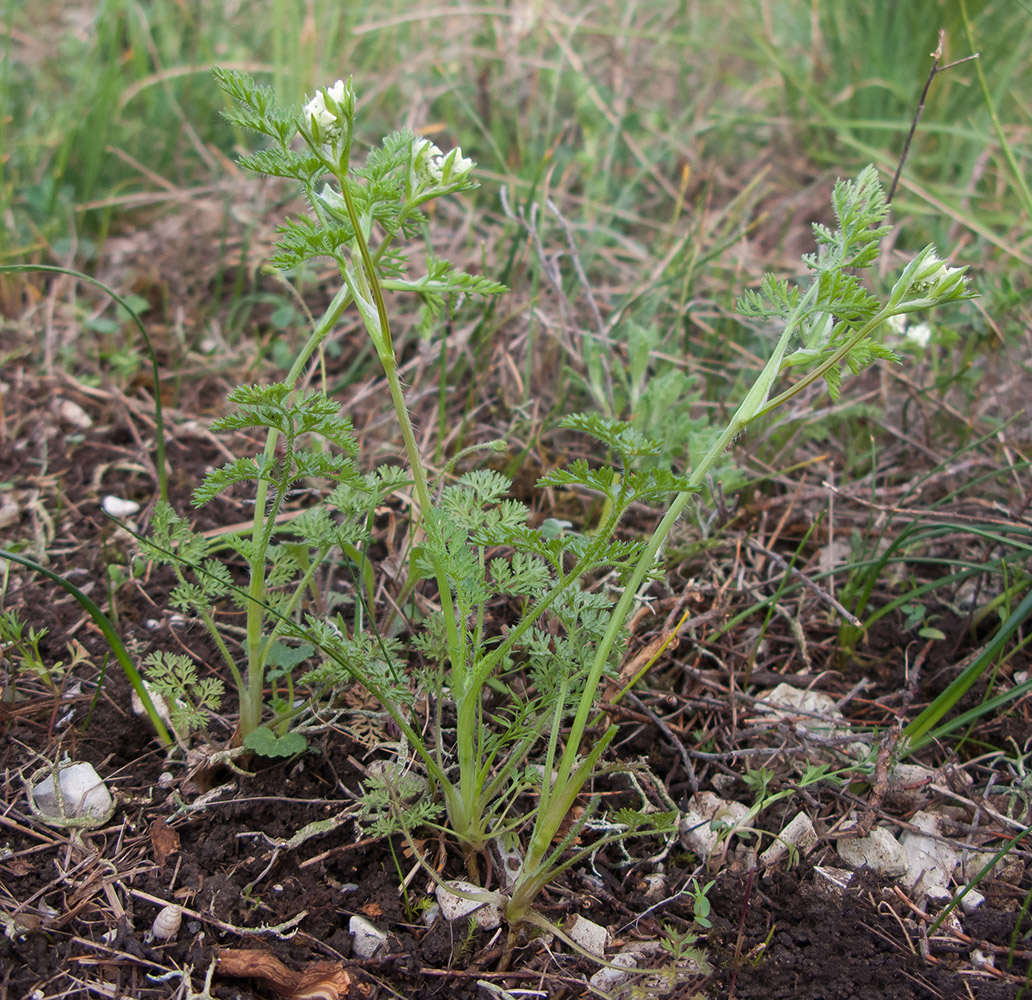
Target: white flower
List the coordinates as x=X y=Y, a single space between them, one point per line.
x=897 y=323
x=919 y=334
x=317 y=111
x=455 y=166
x=426 y=163
x=432 y=168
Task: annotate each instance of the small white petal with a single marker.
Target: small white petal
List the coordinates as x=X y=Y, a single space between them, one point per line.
x=118 y=507
x=317 y=111
x=920 y=334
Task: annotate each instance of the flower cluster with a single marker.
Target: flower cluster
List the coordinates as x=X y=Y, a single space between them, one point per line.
x=936 y=277
x=928 y=281
x=431 y=169
x=328 y=120
x=319 y=113
x=918 y=334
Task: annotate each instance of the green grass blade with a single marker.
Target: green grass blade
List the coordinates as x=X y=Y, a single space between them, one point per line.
x=105 y=626
x=918 y=731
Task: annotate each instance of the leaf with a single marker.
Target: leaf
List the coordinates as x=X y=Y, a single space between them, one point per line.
x=278 y=163
x=622 y=437
x=256 y=106
x=264 y=742
x=280 y=655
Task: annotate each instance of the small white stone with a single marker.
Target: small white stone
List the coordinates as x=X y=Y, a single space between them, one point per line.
x=453 y=906
x=119 y=507
x=834 y=881
x=511 y=862
x=972 y=900
x=906 y=786
x=590 y=936
x=972 y=863
x=10 y=512
x=431 y=913
x=939 y=895
x=607 y=979
x=879 y=851
x=74 y=414
x=930 y=862
x=799 y=833
x=791 y=702
x=785 y=696
x=83 y=792
x=695 y=823
x=367 y=939
x=159 y=703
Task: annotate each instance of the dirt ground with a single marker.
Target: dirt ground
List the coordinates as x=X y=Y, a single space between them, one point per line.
x=78 y=907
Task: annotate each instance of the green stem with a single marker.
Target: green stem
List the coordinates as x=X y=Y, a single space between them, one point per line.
x=830 y=362
x=295 y=600
x=251 y=697
x=571 y=776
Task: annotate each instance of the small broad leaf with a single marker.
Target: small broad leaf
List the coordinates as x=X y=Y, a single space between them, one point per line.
x=264 y=742
x=281 y=655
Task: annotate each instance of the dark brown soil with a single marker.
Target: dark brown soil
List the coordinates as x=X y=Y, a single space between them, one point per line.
x=78 y=911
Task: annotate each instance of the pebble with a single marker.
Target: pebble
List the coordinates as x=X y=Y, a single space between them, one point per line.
x=366 y=938
x=590 y=936
x=454 y=907
x=119 y=507
x=83 y=792
x=930 y=862
x=879 y=851
x=799 y=833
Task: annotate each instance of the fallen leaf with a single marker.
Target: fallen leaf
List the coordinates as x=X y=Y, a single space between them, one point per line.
x=164 y=841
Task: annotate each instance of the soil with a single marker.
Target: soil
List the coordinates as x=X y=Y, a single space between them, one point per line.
x=78 y=907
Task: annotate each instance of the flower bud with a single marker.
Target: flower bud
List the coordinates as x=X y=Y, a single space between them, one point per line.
x=325 y=110
x=455 y=167
x=928 y=281
x=933 y=273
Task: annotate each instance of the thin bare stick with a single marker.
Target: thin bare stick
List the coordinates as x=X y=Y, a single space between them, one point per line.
x=805 y=581
x=936 y=68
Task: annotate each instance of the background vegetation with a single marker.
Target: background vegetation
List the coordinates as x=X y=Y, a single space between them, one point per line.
x=641 y=164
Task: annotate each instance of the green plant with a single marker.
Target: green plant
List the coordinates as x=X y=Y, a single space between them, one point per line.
x=682 y=946
x=173 y=676
x=16 y=642
x=474 y=543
